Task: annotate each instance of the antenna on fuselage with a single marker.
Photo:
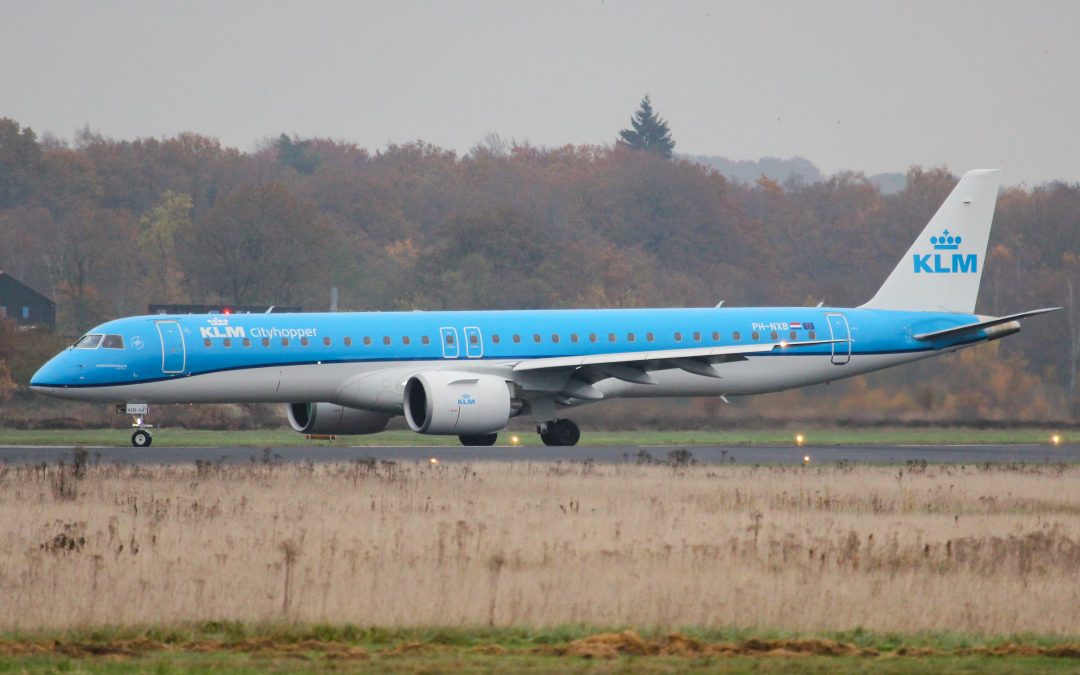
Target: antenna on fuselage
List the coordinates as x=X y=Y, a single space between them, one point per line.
x=719 y=304
x=270 y=309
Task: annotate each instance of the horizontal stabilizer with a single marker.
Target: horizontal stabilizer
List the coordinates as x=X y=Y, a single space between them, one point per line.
x=982 y=325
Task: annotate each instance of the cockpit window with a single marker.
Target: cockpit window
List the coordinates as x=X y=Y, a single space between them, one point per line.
x=113 y=342
x=88 y=342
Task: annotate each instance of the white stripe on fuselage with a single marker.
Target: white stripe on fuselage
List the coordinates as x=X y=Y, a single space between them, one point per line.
x=379 y=385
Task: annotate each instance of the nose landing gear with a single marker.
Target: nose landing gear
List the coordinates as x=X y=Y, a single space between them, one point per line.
x=559 y=432
x=141 y=438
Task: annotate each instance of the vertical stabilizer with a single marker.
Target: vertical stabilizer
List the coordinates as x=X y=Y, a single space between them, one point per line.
x=942 y=269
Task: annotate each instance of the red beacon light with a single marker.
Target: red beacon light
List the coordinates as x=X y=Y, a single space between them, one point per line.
x=226 y=310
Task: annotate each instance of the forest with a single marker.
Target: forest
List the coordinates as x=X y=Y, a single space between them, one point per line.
x=107 y=226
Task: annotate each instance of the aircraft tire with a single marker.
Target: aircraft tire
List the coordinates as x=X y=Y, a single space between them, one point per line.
x=478 y=439
x=141 y=439
x=561 y=433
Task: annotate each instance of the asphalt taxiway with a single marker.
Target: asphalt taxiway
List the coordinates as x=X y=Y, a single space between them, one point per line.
x=702 y=454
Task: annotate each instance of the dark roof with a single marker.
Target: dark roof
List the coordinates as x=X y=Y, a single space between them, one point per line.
x=12 y=285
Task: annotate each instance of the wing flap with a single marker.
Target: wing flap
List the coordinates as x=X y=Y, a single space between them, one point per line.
x=705 y=353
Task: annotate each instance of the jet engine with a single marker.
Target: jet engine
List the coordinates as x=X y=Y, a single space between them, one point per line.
x=449 y=402
x=333 y=419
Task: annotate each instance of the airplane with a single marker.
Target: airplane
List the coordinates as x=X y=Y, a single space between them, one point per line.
x=467 y=373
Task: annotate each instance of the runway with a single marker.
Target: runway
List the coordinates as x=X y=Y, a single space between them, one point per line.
x=712 y=454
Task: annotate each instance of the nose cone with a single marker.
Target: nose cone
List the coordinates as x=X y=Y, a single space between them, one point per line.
x=50 y=377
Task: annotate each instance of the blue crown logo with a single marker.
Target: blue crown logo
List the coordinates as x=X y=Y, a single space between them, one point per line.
x=946 y=242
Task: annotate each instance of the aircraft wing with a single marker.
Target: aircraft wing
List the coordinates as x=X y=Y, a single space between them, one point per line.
x=580 y=372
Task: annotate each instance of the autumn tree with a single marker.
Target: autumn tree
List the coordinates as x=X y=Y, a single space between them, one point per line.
x=170 y=217
x=259 y=244
x=648 y=132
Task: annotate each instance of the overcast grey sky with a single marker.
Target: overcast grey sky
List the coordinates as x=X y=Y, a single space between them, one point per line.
x=870 y=86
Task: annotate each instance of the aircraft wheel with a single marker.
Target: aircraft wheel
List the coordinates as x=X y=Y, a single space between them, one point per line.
x=561 y=432
x=478 y=439
x=141 y=439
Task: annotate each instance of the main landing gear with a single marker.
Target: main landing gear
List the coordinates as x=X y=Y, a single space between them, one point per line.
x=559 y=432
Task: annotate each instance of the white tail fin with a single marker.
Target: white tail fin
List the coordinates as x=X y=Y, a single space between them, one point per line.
x=942 y=269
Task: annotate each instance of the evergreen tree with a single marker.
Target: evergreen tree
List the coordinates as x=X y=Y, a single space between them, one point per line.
x=649 y=132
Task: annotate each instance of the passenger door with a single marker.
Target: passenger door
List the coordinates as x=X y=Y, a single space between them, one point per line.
x=839 y=330
x=173 y=349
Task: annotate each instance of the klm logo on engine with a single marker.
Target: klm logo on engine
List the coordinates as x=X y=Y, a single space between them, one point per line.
x=946 y=263
x=466 y=399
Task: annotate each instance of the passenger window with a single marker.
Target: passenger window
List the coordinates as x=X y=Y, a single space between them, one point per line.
x=592 y=337
x=630 y=337
x=206 y=342
x=754 y=336
x=247 y=342
x=715 y=336
x=678 y=336
x=794 y=336
x=773 y=335
x=555 y=338
x=650 y=337
x=736 y=336
x=573 y=337
x=348 y=341
x=697 y=336
x=113 y=342
x=812 y=335
x=367 y=340
x=495 y=339
x=405 y=339
x=517 y=339
x=227 y=342
x=88 y=342
x=266 y=342
x=424 y=340
x=386 y=340
x=303 y=342
x=536 y=337
x=326 y=341
x=284 y=342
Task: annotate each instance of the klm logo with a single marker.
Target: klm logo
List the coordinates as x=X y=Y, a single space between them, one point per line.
x=220 y=332
x=466 y=399
x=946 y=263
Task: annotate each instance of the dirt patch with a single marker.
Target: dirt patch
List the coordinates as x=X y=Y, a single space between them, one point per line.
x=609 y=645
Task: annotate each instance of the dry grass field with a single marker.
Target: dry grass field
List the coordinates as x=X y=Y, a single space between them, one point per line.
x=985 y=550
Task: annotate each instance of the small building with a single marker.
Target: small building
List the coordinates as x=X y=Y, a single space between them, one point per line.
x=25 y=305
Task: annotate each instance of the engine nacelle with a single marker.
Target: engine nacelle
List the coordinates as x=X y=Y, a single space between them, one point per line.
x=332 y=419
x=454 y=402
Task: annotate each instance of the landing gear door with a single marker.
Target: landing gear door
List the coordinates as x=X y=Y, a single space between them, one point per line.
x=838 y=329
x=450 y=347
x=173 y=349
x=474 y=342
